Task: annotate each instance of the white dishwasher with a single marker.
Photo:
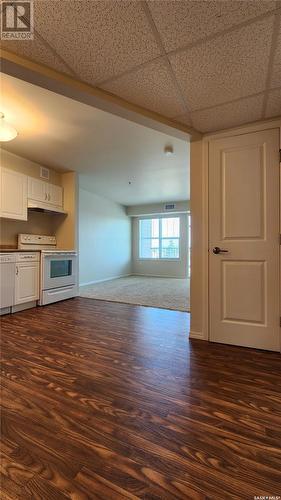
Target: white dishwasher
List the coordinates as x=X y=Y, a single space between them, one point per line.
x=7 y=282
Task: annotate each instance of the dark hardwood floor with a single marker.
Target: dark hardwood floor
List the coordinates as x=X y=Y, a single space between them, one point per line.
x=112 y=401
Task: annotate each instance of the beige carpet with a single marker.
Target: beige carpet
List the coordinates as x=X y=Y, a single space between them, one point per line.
x=166 y=293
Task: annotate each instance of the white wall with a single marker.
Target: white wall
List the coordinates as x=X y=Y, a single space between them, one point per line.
x=104 y=238
x=164 y=268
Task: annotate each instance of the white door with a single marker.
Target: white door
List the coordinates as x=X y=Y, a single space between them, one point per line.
x=55 y=195
x=37 y=190
x=244 y=221
x=27 y=282
x=13 y=194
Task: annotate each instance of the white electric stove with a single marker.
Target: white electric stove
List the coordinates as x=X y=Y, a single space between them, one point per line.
x=58 y=276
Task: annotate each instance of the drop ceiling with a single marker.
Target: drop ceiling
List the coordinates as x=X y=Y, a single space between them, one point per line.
x=114 y=157
x=209 y=64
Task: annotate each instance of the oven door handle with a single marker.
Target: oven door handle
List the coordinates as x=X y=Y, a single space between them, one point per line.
x=59 y=254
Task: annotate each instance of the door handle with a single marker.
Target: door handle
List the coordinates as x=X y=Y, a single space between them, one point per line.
x=217 y=250
x=17 y=270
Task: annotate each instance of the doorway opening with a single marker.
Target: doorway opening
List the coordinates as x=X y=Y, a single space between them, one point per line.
x=134 y=221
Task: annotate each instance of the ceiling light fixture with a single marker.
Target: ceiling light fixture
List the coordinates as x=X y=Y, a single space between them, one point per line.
x=7 y=132
x=169 y=151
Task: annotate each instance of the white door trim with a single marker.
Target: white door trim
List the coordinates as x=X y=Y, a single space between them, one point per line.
x=247 y=129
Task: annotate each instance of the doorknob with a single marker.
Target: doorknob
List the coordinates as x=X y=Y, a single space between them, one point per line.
x=217 y=250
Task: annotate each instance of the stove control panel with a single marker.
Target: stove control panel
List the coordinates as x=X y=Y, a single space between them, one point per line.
x=36 y=239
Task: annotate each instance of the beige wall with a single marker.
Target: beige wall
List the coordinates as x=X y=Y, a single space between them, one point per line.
x=164 y=268
x=197 y=238
x=67 y=227
x=27 y=167
x=104 y=239
x=157 y=208
x=38 y=223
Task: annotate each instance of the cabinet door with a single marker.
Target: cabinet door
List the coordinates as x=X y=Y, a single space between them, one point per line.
x=13 y=194
x=27 y=282
x=7 y=282
x=55 y=195
x=37 y=190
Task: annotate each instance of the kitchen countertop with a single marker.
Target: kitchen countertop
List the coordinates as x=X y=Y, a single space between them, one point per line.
x=10 y=250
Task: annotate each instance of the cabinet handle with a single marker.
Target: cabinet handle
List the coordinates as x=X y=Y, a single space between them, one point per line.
x=17 y=270
x=49 y=196
x=46 y=196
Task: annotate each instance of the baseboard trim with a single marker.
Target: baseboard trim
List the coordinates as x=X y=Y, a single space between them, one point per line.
x=104 y=279
x=196 y=335
x=159 y=276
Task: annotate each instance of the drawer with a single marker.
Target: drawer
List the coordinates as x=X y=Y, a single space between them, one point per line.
x=7 y=258
x=28 y=257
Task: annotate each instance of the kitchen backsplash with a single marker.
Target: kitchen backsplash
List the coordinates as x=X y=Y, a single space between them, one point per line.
x=38 y=223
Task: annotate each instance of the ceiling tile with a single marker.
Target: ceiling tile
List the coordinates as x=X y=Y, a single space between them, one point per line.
x=184 y=22
x=273 y=107
x=151 y=87
x=228 y=115
x=37 y=51
x=227 y=68
x=276 y=68
x=98 y=39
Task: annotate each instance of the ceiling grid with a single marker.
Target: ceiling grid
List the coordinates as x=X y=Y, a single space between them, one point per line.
x=275 y=33
x=165 y=57
x=215 y=64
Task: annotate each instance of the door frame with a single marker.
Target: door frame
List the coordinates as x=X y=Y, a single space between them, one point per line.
x=246 y=129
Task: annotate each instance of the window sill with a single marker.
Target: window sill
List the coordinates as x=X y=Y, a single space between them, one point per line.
x=159 y=260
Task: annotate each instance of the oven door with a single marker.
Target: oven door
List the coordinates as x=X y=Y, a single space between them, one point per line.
x=58 y=270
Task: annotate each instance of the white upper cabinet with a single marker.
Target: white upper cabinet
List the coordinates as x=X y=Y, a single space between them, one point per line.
x=44 y=192
x=55 y=196
x=13 y=194
x=18 y=192
x=37 y=190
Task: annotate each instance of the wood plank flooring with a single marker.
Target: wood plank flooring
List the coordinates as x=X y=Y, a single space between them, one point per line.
x=112 y=401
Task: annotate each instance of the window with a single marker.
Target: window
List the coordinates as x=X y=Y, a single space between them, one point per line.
x=159 y=238
x=60 y=268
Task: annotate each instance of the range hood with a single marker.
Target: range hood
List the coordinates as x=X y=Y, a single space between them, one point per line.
x=37 y=206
